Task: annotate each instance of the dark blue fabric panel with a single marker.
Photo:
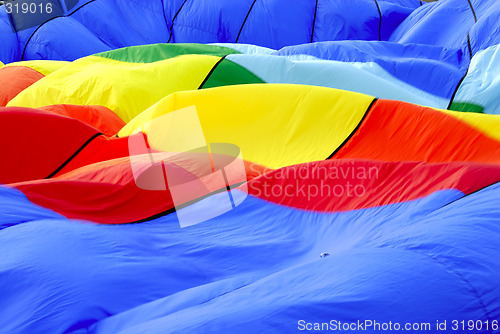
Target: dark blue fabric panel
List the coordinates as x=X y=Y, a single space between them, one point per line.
x=347 y=20
x=125 y=23
x=269 y=23
x=393 y=14
x=486 y=32
x=270 y=26
x=210 y=22
x=74 y=41
x=443 y=23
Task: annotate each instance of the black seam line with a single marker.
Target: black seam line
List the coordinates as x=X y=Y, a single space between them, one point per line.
x=245 y=21
x=52 y=18
x=33 y=34
x=379 y=22
x=85 y=4
x=228 y=188
x=472 y=193
x=355 y=129
x=475 y=20
x=74 y=155
x=465 y=75
x=314 y=21
x=470 y=47
x=463 y=78
x=164 y=15
x=211 y=72
x=473 y=11
x=173 y=20
x=456 y=89
x=174 y=209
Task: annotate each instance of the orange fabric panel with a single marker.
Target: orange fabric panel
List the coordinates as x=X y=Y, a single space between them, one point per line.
x=15 y=79
x=399 y=131
x=99 y=117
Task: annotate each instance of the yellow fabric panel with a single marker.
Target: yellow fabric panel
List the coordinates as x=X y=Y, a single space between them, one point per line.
x=45 y=67
x=486 y=123
x=126 y=88
x=1 y=64
x=274 y=125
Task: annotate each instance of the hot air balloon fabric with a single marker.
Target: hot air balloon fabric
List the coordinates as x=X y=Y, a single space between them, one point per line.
x=341 y=160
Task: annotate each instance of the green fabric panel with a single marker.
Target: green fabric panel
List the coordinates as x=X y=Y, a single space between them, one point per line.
x=228 y=73
x=467 y=107
x=156 y=52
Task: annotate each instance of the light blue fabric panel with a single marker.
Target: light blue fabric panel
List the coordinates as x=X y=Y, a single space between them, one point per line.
x=367 y=78
x=481 y=86
x=433 y=69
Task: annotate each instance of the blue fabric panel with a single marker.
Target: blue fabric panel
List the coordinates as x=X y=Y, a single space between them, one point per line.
x=257 y=264
x=433 y=69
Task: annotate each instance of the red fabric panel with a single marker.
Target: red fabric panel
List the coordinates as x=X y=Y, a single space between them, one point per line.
x=35 y=143
x=106 y=192
x=343 y=185
x=100 y=149
x=399 y=131
x=15 y=79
